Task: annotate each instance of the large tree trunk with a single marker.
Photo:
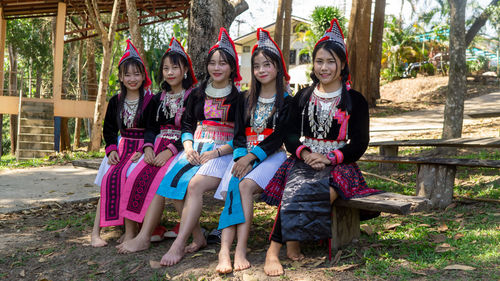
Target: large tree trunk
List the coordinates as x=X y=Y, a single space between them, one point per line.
x=286 y=31
x=278 y=28
x=107 y=38
x=205 y=19
x=13 y=92
x=79 y=73
x=135 y=29
x=65 y=141
x=92 y=84
x=478 y=23
x=359 y=48
x=376 y=51
x=454 y=106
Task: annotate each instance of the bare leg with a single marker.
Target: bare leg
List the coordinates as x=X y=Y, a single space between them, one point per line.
x=131 y=229
x=227 y=238
x=272 y=265
x=247 y=189
x=95 y=236
x=190 y=219
x=151 y=219
x=293 y=250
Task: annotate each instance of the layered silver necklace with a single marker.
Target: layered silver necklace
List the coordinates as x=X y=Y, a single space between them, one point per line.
x=321 y=111
x=262 y=112
x=129 y=111
x=174 y=103
x=218 y=93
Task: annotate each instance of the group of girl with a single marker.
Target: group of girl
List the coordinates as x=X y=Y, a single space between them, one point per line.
x=185 y=141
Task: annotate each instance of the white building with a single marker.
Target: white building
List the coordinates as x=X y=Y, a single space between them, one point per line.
x=300 y=65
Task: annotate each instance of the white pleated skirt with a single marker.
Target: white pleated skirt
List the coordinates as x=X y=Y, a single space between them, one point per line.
x=261 y=174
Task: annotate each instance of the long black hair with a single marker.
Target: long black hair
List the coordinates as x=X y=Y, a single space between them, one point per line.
x=256 y=86
x=337 y=49
x=122 y=70
x=181 y=61
x=228 y=59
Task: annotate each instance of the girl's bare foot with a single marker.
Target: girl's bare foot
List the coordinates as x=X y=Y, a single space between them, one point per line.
x=272 y=266
x=134 y=245
x=96 y=241
x=224 y=265
x=173 y=256
x=240 y=259
x=121 y=239
x=293 y=251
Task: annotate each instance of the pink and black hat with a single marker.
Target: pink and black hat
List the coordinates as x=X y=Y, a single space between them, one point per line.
x=132 y=53
x=265 y=41
x=226 y=43
x=176 y=47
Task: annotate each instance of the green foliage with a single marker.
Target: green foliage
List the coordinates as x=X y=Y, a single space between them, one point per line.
x=322 y=16
x=78 y=221
x=6 y=134
x=9 y=161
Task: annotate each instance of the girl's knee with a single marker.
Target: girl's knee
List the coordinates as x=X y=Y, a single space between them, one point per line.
x=248 y=187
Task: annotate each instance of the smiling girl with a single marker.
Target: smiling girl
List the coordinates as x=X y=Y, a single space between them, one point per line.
x=126 y=114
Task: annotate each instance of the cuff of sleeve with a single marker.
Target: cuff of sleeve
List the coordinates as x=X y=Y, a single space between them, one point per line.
x=111 y=148
x=146 y=145
x=231 y=144
x=239 y=152
x=186 y=137
x=299 y=150
x=173 y=149
x=335 y=156
x=259 y=152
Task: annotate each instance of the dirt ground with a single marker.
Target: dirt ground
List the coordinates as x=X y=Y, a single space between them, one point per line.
x=52 y=242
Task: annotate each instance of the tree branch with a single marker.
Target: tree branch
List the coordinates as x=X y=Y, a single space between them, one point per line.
x=478 y=23
x=114 y=20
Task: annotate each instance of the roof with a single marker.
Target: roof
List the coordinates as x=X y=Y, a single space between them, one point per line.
x=251 y=36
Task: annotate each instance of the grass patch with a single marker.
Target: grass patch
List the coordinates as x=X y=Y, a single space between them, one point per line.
x=78 y=221
x=9 y=161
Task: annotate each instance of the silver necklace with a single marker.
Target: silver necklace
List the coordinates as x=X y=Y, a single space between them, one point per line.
x=218 y=93
x=262 y=112
x=129 y=111
x=321 y=110
x=173 y=102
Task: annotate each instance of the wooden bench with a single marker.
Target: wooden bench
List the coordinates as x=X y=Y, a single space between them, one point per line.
x=345 y=214
x=435 y=176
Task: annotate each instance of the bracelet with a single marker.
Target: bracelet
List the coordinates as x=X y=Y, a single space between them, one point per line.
x=218 y=152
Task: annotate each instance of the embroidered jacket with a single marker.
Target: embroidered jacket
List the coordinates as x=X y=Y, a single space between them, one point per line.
x=271 y=143
x=353 y=126
x=201 y=107
x=111 y=127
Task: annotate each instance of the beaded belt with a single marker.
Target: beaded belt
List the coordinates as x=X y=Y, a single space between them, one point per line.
x=253 y=139
x=135 y=133
x=214 y=132
x=322 y=146
x=169 y=132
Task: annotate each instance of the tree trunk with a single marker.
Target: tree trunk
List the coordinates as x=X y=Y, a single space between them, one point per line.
x=359 y=48
x=38 y=86
x=13 y=92
x=286 y=32
x=376 y=51
x=65 y=140
x=135 y=29
x=92 y=84
x=1 y=135
x=205 y=19
x=278 y=29
x=454 y=106
x=478 y=23
x=107 y=38
x=79 y=73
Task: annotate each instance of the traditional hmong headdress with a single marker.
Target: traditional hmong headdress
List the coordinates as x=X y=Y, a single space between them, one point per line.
x=133 y=54
x=265 y=41
x=335 y=34
x=226 y=43
x=176 y=47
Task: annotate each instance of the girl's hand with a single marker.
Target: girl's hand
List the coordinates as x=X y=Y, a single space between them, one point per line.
x=242 y=167
x=113 y=158
x=208 y=155
x=321 y=159
x=162 y=158
x=193 y=157
x=149 y=155
x=316 y=161
x=136 y=156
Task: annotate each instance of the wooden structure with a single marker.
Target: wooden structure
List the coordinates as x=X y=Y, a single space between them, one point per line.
x=435 y=176
x=72 y=23
x=346 y=213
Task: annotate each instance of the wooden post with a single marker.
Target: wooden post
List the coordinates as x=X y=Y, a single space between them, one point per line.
x=345 y=226
x=435 y=182
x=3 y=31
x=59 y=52
x=387 y=150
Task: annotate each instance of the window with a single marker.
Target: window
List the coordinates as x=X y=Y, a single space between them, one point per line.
x=304 y=58
x=293 y=56
x=246 y=49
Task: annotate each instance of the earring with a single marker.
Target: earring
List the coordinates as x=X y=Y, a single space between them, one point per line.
x=185 y=75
